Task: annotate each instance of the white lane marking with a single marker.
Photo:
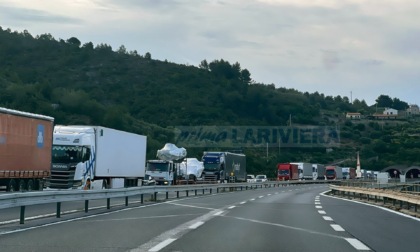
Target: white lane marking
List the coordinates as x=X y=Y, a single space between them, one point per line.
x=366 y=204
x=162 y=245
x=319 y=207
x=276 y=193
x=327 y=218
x=231 y=207
x=287 y=227
x=243 y=202
x=269 y=194
x=218 y=213
x=322 y=212
x=337 y=228
x=252 y=199
x=261 y=197
x=357 y=244
x=317 y=203
x=174 y=233
x=196 y=225
x=177 y=204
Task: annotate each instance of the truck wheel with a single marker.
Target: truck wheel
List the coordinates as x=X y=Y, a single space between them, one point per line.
x=11 y=187
x=30 y=186
x=39 y=185
x=21 y=185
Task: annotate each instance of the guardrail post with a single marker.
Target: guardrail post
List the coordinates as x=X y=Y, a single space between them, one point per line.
x=58 y=213
x=203 y=191
x=211 y=190
x=195 y=192
x=155 y=195
x=186 y=192
x=167 y=195
x=376 y=199
x=415 y=207
x=384 y=198
x=126 y=200
x=22 y=215
x=108 y=203
x=177 y=194
x=86 y=206
x=141 y=198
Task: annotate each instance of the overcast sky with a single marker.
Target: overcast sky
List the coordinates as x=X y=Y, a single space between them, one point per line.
x=355 y=48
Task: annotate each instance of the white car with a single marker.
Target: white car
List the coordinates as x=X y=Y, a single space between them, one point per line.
x=250 y=178
x=261 y=178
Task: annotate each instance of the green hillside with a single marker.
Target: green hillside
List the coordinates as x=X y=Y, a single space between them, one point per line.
x=86 y=84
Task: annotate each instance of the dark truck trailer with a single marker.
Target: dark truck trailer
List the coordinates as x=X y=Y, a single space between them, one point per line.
x=25 y=149
x=224 y=166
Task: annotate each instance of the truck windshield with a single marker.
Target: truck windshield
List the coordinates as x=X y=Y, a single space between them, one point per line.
x=283 y=172
x=67 y=154
x=211 y=167
x=157 y=167
x=330 y=172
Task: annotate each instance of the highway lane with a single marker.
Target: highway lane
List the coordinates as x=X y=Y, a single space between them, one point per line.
x=377 y=227
x=269 y=219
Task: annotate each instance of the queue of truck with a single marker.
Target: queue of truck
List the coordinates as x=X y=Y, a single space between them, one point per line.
x=307 y=171
x=36 y=154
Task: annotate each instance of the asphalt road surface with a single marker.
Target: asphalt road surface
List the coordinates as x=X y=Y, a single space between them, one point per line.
x=293 y=218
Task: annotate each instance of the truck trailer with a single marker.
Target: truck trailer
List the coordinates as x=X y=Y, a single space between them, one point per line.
x=102 y=157
x=25 y=149
x=320 y=170
x=224 y=166
x=307 y=171
x=287 y=172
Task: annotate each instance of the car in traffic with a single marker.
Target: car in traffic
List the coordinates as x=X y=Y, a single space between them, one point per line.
x=261 y=178
x=149 y=180
x=250 y=178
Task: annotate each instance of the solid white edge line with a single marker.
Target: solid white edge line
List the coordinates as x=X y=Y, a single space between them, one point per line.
x=337 y=227
x=196 y=225
x=357 y=244
x=162 y=245
x=366 y=204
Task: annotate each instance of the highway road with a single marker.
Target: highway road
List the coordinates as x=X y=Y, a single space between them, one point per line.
x=293 y=218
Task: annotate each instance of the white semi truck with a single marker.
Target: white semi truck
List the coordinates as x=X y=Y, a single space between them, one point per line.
x=97 y=156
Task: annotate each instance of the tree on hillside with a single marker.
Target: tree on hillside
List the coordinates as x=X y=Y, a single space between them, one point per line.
x=399 y=105
x=74 y=41
x=384 y=101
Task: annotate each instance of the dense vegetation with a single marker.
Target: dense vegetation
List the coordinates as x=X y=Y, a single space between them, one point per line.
x=87 y=84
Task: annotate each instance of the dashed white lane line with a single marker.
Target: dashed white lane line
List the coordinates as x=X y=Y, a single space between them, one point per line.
x=231 y=207
x=218 y=213
x=322 y=212
x=337 y=228
x=261 y=196
x=162 y=245
x=243 y=202
x=327 y=218
x=196 y=225
x=269 y=194
x=357 y=244
x=317 y=203
x=319 y=207
x=252 y=199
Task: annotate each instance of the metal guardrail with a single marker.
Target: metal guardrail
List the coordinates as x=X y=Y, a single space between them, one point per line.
x=391 y=193
x=23 y=199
